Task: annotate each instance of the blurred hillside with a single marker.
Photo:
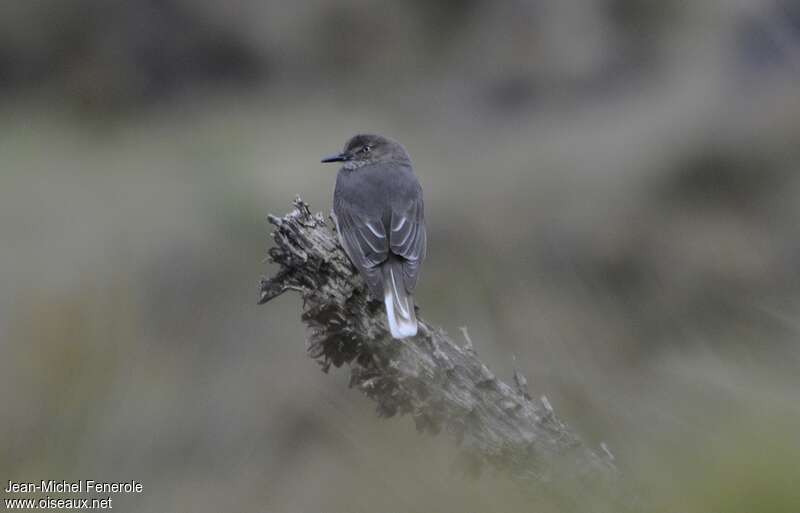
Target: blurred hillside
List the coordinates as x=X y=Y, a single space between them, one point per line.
x=611 y=191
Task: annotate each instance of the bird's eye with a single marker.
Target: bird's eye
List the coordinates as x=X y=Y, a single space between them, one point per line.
x=366 y=149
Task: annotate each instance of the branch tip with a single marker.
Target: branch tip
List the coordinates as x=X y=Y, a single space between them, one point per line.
x=468 y=345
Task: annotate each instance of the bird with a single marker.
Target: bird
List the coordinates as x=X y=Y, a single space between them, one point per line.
x=380 y=218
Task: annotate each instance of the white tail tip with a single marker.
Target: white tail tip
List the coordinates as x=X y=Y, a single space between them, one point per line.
x=402 y=322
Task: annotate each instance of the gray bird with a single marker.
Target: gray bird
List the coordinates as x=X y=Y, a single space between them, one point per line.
x=380 y=217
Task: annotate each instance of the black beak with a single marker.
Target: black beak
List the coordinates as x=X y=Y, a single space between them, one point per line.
x=341 y=157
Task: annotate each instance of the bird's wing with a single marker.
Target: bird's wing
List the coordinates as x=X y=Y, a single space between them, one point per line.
x=408 y=239
x=365 y=242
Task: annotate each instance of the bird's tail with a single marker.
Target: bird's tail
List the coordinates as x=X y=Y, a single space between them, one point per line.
x=399 y=303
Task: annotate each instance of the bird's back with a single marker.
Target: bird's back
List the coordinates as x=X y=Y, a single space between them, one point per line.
x=377 y=189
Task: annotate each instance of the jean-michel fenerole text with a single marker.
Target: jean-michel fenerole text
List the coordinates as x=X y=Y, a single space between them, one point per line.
x=80 y=486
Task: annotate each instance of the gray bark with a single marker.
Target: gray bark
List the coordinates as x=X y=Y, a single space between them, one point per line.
x=441 y=384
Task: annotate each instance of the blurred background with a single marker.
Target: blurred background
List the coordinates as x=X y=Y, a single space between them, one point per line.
x=612 y=197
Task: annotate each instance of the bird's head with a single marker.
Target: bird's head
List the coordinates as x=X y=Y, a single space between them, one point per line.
x=365 y=149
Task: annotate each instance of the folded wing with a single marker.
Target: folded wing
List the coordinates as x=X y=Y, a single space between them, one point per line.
x=408 y=239
x=365 y=241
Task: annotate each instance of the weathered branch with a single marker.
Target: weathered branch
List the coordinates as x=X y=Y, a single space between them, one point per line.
x=442 y=385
